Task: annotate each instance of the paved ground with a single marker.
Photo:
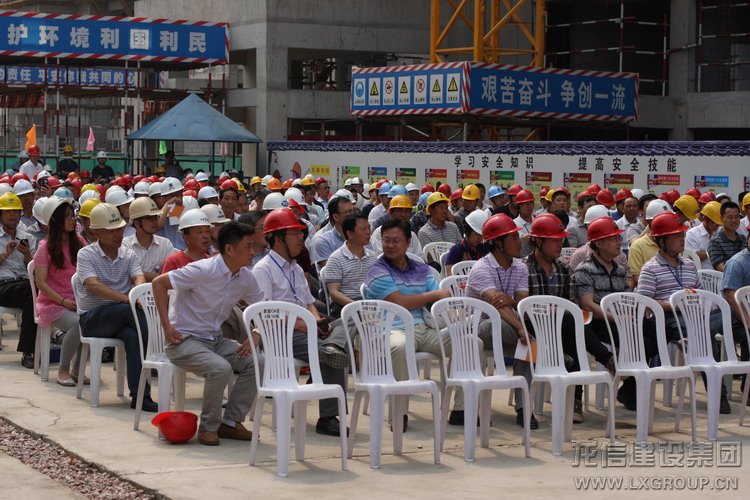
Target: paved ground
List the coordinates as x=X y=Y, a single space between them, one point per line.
x=105 y=435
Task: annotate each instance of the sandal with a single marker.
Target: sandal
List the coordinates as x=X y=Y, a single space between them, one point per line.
x=86 y=380
x=68 y=382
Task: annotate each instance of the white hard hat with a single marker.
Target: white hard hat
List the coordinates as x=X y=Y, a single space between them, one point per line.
x=476 y=220
x=154 y=189
x=274 y=201
x=106 y=216
x=193 y=218
x=207 y=192
x=5 y=188
x=22 y=187
x=43 y=174
x=201 y=177
x=223 y=175
x=296 y=195
x=89 y=195
x=637 y=192
x=118 y=197
x=189 y=202
x=49 y=206
x=296 y=182
x=413 y=187
x=343 y=193
x=38 y=210
x=141 y=187
x=594 y=212
x=366 y=188
x=356 y=181
x=170 y=185
x=101 y=154
x=143 y=207
x=347 y=183
x=23 y=154
x=111 y=189
x=265 y=179
x=655 y=207
x=214 y=213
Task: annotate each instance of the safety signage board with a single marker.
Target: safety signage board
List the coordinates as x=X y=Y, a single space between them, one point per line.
x=496 y=90
x=33 y=34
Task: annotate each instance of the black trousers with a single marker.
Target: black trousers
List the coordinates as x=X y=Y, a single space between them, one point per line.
x=18 y=294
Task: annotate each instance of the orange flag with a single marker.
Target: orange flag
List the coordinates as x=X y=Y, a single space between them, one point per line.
x=30 y=138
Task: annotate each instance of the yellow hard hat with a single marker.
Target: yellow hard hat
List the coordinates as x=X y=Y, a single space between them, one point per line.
x=745 y=201
x=240 y=186
x=550 y=194
x=471 y=192
x=712 y=210
x=161 y=169
x=255 y=180
x=87 y=206
x=89 y=187
x=67 y=148
x=10 y=201
x=307 y=181
x=688 y=206
x=435 y=197
x=400 y=201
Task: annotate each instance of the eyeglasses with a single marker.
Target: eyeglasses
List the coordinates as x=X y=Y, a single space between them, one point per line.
x=397 y=241
x=351 y=211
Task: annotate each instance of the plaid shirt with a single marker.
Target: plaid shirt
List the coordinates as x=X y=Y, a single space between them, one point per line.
x=559 y=284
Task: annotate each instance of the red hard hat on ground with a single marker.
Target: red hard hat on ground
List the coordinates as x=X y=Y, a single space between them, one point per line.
x=281 y=219
x=498 y=225
x=177 y=427
x=547 y=226
x=706 y=197
x=667 y=223
x=623 y=194
x=514 y=190
x=605 y=197
x=694 y=192
x=594 y=189
x=445 y=189
x=603 y=227
x=524 y=196
x=427 y=188
x=17 y=177
x=458 y=193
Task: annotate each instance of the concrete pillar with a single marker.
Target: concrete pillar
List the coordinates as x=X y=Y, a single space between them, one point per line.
x=681 y=64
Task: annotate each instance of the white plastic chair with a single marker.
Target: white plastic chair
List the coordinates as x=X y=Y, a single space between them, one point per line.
x=275 y=322
x=462 y=316
x=323 y=284
x=95 y=346
x=43 y=333
x=711 y=280
x=695 y=307
x=432 y=251
x=14 y=311
x=443 y=271
x=153 y=356
x=373 y=320
x=566 y=253
x=689 y=254
x=456 y=284
x=545 y=314
x=628 y=311
x=462 y=268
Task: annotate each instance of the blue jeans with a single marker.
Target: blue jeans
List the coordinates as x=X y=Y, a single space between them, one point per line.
x=115 y=320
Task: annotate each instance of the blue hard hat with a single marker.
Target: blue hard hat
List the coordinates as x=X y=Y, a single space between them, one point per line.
x=423 y=199
x=397 y=190
x=495 y=191
x=64 y=193
x=385 y=188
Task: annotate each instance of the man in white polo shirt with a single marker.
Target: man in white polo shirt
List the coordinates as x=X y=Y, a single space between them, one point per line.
x=207 y=290
x=150 y=248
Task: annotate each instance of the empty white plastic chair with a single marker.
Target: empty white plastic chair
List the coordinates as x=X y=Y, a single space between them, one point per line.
x=456 y=284
x=695 y=306
x=373 y=320
x=462 y=316
x=152 y=354
x=95 y=346
x=432 y=251
x=43 y=333
x=711 y=280
x=275 y=321
x=462 y=268
x=628 y=310
x=14 y=311
x=545 y=314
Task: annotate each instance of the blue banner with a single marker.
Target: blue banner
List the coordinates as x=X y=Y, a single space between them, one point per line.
x=16 y=75
x=26 y=34
x=514 y=92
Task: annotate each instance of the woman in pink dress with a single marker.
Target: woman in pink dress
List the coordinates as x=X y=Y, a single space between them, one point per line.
x=55 y=264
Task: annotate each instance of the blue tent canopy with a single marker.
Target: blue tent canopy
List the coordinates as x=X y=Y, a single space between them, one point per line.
x=193 y=119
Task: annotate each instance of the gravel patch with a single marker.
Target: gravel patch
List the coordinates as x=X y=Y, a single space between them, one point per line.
x=71 y=471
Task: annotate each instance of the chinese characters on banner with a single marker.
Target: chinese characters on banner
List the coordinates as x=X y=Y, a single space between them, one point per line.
x=663 y=180
x=618 y=181
x=377 y=173
x=67 y=76
x=576 y=182
x=406 y=175
x=464 y=177
x=535 y=181
x=320 y=170
x=502 y=178
x=711 y=181
x=435 y=175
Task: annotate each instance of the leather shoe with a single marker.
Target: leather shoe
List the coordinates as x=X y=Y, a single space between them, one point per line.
x=329 y=426
x=148 y=404
x=209 y=438
x=237 y=432
x=27 y=360
x=533 y=424
x=457 y=418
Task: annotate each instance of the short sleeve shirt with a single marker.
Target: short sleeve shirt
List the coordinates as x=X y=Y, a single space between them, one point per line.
x=658 y=280
x=487 y=275
x=737 y=271
x=117 y=274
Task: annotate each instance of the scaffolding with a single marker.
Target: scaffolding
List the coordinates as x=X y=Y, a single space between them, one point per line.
x=722 y=36
x=617 y=45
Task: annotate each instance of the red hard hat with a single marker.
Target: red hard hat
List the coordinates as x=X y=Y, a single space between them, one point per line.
x=76 y=184
x=563 y=191
x=191 y=193
x=695 y=193
x=177 y=427
x=17 y=177
x=524 y=196
x=120 y=181
x=191 y=184
x=498 y=225
x=706 y=197
x=427 y=188
x=457 y=194
x=514 y=190
x=603 y=227
x=623 y=194
x=667 y=223
x=138 y=178
x=594 y=189
x=666 y=197
x=321 y=180
x=583 y=194
x=674 y=194
x=54 y=183
x=547 y=226
x=161 y=179
x=280 y=219
x=445 y=189
x=605 y=197
x=543 y=192
x=228 y=184
x=153 y=178
x=102 y=191
x=34 y=150
x=85 y=174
